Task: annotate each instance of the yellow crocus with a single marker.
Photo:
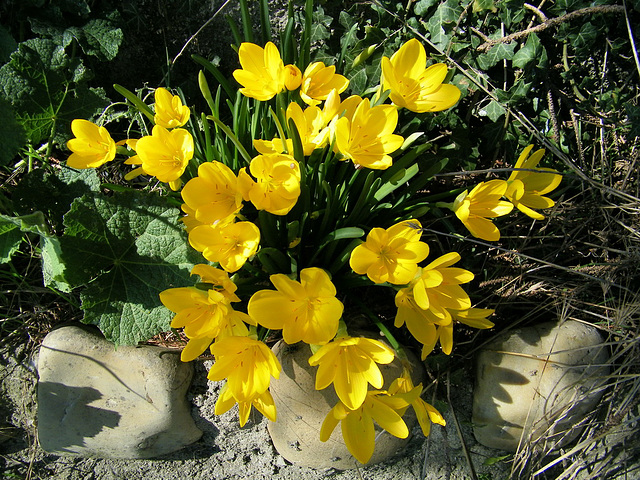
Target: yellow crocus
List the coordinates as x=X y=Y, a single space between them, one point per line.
x=476 y=208
x=276 y=187
x=229 y=244
x=390 y=255
x=318 y=81
x=91 y=147
x=413 y=85
x=425 y=413
x=292 y=77
x=170 y=112
x=247 y=364
x=306 y=311
x=351 y=363
x=424 y=305
x=213 y=196
x=358 y=430
x=312 y=129
x=526 y=188
x=264 y=404
x=164 y=154
x=263 y=73
x=205 y=314
x=367 y=138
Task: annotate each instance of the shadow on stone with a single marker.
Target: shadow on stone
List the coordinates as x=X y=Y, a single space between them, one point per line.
x=71 y=402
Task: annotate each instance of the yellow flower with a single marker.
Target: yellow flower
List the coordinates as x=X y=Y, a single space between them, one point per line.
x=229 y=244
x=264 y=404
x=213 y=196
x=526 y=189
x=205 y=314
x=412 y=85
x=367 y=139
x=425 y=413
x=311 y=127
x=164 y=154
x=425 y=303
x=475 y=208
x=91 y=147
x=350 y=363
x=306 y=311
x=247 y=364
x=474 y=317
x=278 y=183
x=318 y=81
x=390 y=255
x=292 y=77
x=263 y=73
x=170 y=112
x=357 y=426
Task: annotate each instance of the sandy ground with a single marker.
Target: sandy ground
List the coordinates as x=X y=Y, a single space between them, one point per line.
x=225 y=450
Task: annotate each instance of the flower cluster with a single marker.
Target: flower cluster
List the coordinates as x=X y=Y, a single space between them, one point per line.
x=280 y=229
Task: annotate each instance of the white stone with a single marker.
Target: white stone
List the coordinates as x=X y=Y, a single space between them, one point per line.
x=535 y=385
x=302 y=409
x=98 y=401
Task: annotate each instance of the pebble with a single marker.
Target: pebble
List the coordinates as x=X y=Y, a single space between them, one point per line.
x=302 y=409
x=535 y=385
x=98 y=401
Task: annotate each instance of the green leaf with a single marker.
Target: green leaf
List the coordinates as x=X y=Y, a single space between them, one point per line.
x=10 y=238
x=494 y=111
x=7 y=45
x=421 y=7
x=127 y=248
x=46 y=88
x=497 y=53
x=53 y=192
x=529 y=52
x=11 y=133
x=52 y=264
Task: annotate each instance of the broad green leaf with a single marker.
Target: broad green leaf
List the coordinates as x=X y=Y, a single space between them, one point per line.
x=52 y=264
x=481 y=5
x=7 y=45
x=10 y=238
x=46 y=88
x=529 y=52
x=127 y=249
x=53 y=192
x=11 y=133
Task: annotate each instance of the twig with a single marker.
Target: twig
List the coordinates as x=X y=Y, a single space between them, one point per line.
x=552 y=22
x=199 y=30
x=631 y=39
x=537 y=11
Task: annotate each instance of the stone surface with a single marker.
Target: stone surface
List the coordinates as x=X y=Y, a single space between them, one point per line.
x=95 y=400
x=302 y=409
x=536 y=384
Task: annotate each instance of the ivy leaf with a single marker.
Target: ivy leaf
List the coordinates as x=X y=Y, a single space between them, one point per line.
x=493 y=110
x=529 y=52
x=421 y=7
x=128 y=249
x=497 y=53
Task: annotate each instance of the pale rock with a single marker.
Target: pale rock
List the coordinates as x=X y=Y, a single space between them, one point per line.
x=301 y=409
x=535 y=385
x=98 y=401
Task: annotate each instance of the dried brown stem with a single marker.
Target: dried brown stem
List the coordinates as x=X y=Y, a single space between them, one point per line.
x=552 y=22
